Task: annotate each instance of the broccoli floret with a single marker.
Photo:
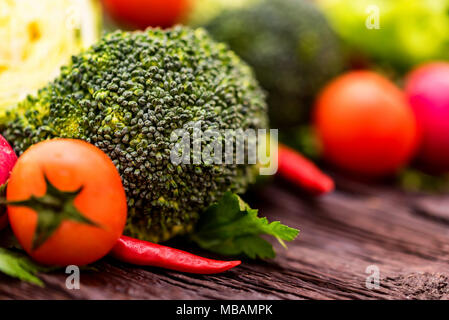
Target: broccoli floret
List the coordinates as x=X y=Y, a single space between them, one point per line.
x=291 y=47
x=126 y=95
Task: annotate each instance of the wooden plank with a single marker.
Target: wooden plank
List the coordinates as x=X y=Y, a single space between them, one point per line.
x=406 y=235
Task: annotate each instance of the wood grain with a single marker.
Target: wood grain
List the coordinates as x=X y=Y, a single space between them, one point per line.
x=406 y=235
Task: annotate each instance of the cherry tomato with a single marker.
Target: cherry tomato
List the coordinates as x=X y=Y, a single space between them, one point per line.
x=427 y=89
x=68 y=198
x=147 y=13
x=365 y=124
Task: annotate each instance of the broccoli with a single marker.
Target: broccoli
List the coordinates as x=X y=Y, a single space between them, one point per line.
x=126 y=94
x=291 y=47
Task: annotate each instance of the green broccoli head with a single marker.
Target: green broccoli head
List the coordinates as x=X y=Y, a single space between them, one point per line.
x=126 y=95
x=291 y=47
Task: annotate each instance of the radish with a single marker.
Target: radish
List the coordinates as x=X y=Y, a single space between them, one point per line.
x=8 y=159
x=427 y=89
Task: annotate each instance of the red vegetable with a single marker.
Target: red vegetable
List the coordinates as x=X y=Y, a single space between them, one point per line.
x=145 y=253
x=7 y=161
x=66 y=202
x=365 y=125
x=427 y=89
x=297 y=169
x=147 y=13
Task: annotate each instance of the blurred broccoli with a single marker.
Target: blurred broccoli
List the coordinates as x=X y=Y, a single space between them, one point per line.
x=289 y=43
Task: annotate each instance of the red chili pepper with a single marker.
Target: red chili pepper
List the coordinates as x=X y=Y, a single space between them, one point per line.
x=145 y=253
x=299 y=170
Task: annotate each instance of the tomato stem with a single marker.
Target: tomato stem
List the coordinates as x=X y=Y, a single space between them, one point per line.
x=52 y=209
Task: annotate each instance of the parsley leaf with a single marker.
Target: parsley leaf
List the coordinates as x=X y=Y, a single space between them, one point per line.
x=20 y=266
x=231 y=227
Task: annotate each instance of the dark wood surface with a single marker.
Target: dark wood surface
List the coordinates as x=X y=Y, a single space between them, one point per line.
x=405 y=235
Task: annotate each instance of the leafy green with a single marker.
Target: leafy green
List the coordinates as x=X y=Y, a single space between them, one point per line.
x=415 y=180
x=231 y=227
x=19 y=266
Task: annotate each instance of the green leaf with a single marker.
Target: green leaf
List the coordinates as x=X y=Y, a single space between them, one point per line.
x=20 y=266
x=231 y=227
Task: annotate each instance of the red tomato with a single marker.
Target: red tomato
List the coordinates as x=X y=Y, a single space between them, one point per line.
x=365 y=124
x=147 y=13
x=68 y=165
x=427 y=89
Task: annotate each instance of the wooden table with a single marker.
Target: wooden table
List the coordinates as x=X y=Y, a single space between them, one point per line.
x=404 y=235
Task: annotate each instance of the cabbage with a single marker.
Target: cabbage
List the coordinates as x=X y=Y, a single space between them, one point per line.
x=410 y=31
x=37 y=37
